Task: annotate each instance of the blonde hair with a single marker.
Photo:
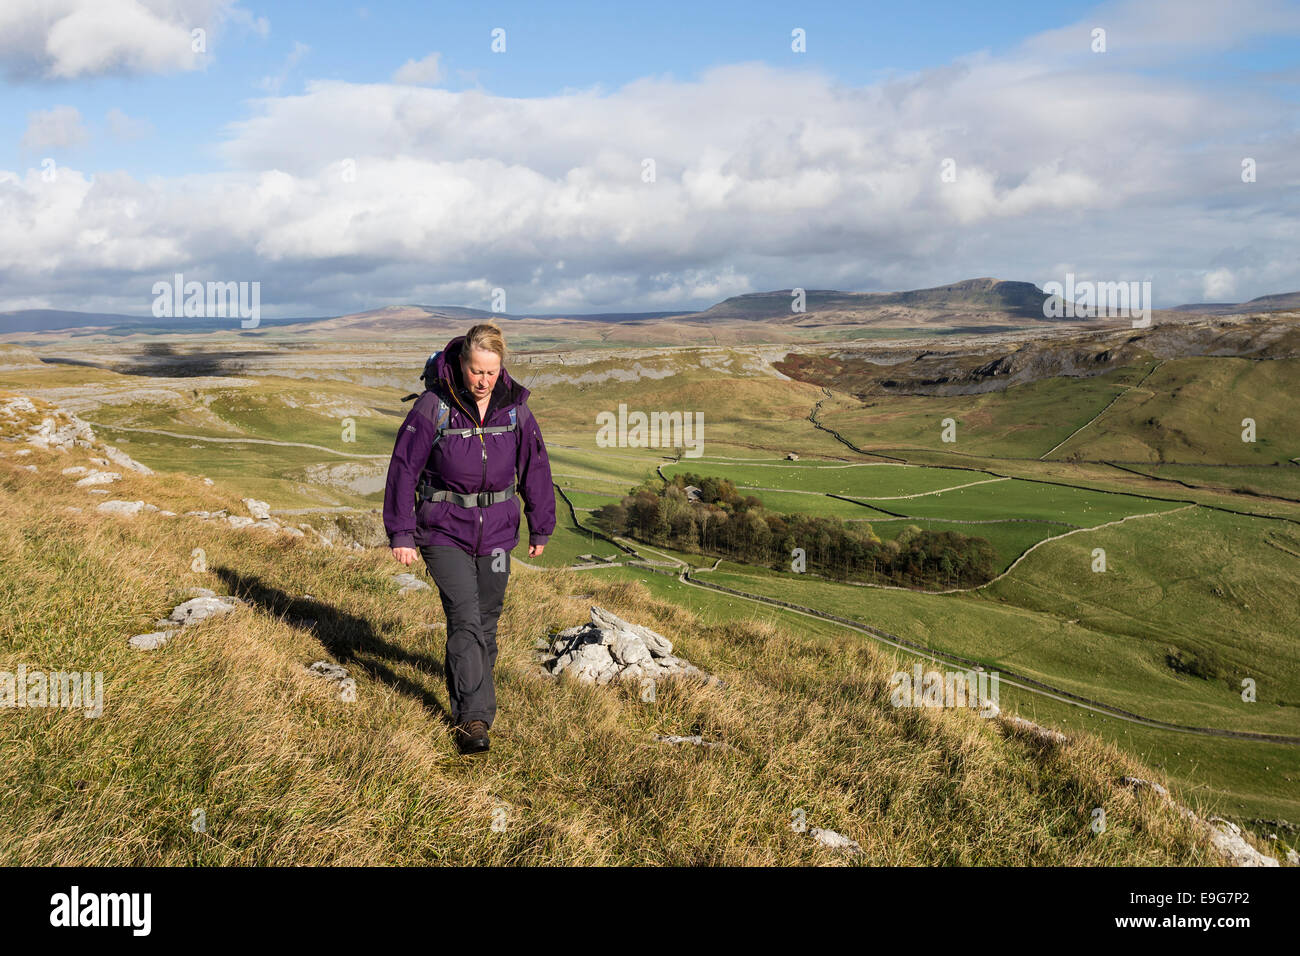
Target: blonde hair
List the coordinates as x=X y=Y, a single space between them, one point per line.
x=485 y=337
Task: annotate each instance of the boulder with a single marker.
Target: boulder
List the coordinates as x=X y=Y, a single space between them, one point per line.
x=659 y=645
x=258 y=509
x=201 y=608
x=607 y=648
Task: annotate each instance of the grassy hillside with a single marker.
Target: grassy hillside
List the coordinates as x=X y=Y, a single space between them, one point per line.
x=1191 y=411
x=1243 y=780
x=225 y=719
x=1194 y=599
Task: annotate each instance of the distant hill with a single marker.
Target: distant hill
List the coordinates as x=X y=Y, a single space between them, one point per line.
x=1280 y=302
x=1023 y=299
x=57 y=320
x=971 y=306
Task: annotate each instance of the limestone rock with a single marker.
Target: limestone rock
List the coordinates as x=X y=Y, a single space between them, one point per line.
x=258 y=509
x=61 y=431
x=659 y=645
x=1224 y=836
x=201 y=608
x=836 y=841
x=1032 y=729
x=153 y=641
x=696 y=740
x=609 y=648
x=409 y=582
x=119 y=507
x=18 y=404
x=119 y=457
x=97 y=477
x=345 y=685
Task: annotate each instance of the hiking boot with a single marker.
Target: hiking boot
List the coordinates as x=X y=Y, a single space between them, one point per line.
x=472 y=737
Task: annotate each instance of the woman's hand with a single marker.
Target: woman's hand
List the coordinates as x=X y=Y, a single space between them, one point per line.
x=405 y=555
x=535 y=549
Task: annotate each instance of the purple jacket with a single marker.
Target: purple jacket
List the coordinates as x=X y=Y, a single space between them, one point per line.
x=468 y=463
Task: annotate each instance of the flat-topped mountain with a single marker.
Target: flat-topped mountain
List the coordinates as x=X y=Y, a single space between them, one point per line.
x=1023 y=299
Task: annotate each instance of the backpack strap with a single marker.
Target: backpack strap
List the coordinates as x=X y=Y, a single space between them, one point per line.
x=440 y=423
x=477 y=430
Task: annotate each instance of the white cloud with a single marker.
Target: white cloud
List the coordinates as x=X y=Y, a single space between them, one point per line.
x=348 y=195
x=1219 y=286
x=57 y=128
x=64 y=39
x=422 y=72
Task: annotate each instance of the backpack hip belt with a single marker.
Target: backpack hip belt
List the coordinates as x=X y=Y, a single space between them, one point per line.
x=479 y=499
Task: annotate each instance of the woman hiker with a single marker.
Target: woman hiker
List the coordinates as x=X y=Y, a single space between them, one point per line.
x=465 y=521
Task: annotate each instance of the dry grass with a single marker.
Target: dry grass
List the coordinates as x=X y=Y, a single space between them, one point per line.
x=225 y=719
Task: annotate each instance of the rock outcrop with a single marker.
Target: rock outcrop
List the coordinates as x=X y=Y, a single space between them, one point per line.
x=203 y=605
x=609 y=648
x=343 y=684
x=59 y=430
x=1226 y=837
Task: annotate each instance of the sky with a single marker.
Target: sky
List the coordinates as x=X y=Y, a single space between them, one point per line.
x=596 y=157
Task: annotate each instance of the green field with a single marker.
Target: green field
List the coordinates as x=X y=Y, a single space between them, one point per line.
x=1186 y=579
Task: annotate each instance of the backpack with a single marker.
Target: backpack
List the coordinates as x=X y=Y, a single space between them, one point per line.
x=426 y=376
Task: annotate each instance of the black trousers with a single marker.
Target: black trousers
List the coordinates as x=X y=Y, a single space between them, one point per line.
x=472 y=595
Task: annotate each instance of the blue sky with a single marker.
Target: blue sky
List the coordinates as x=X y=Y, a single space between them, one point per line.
x=774 y=168
x=551 y=48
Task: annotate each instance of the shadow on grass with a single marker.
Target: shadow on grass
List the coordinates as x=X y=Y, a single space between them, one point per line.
x=344 y=635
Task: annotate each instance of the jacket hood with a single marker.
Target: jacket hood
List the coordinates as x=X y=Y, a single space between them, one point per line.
x=447 y=368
